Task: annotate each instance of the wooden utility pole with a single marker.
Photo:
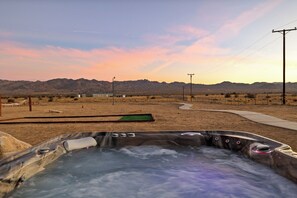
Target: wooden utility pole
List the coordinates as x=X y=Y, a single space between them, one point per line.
x=284 y=32
x=113 y=90
x=191 y=86
x=30 y=104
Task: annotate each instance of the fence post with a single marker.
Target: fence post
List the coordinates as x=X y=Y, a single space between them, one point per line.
x=30 y=104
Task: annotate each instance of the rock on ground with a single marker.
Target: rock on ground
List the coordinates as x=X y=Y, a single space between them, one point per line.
x=9 y=144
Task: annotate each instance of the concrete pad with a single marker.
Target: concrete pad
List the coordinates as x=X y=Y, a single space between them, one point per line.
x=260 y=118
x=185 y=106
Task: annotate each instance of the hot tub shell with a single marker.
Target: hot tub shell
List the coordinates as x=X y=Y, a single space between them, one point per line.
x=14 y=170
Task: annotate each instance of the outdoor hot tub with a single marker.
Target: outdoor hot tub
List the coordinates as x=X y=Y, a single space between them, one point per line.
x=152 y=164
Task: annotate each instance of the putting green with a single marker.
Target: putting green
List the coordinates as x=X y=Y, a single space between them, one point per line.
x=81 y=119
x=147 y=117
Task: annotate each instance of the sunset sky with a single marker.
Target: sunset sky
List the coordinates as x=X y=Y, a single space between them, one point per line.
x=218 y=40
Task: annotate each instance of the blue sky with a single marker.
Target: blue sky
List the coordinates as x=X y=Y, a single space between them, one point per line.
x=228 y=40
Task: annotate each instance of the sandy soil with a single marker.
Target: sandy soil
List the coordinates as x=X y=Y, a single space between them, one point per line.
x=166 y=114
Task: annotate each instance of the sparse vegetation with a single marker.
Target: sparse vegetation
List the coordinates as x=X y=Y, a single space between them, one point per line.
x=227 y=95
x=138 y=104
x=51 y=99
x=250 y=96
x=10 y=100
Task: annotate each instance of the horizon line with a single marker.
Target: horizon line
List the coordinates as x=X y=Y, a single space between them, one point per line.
x=225 y=81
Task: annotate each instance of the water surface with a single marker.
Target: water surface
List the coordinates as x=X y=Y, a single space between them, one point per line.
x=151 y=171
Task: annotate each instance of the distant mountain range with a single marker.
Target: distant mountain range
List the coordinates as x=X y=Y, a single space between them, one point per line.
x=137 y=87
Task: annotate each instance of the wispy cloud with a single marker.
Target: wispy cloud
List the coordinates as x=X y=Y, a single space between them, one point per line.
x=97 y=63
x=207 y=47
x=233 y=27
x=202 y=50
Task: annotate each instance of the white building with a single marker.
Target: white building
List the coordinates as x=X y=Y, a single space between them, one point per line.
x=102 y=95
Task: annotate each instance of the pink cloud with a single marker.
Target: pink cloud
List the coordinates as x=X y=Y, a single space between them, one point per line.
x=14 y=49
x=167 y=39
x=176 y=34
x=189 y=31
x=18 y=61
x=48 y=62
x=206 y=50
x=233 y=27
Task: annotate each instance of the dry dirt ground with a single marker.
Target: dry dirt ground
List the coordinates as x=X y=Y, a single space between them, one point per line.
x=166 y=114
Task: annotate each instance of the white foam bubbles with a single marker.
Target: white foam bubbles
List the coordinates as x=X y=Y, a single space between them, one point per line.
x=143 y=152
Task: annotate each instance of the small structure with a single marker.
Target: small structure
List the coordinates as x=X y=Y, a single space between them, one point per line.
x=102 y=95
x=81 y=95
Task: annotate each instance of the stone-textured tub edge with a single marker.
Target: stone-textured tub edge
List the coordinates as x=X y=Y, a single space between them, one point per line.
x=16 y=169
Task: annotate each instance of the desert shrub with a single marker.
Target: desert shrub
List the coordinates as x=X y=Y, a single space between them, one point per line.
x=227 y=95
x=206 y=94
x=249 y=95
x=75 y=99
x=51 y=99
x=10 y=100
x=153 y=97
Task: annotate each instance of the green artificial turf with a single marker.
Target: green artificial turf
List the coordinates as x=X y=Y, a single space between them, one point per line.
x=137 y=118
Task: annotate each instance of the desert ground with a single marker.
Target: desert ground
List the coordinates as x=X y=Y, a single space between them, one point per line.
x=164 y=109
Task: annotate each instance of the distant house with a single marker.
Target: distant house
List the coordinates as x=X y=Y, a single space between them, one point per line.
x=81 y=95
x=102 y=95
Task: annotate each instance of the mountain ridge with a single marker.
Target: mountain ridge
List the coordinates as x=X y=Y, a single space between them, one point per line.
x=64 y=86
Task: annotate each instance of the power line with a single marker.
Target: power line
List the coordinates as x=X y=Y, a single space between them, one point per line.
x=284 y=32
x=234 y=61
x=287 y=24
x=256 y=51
x=113 y=90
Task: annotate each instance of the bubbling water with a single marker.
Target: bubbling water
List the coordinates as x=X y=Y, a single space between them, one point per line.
x=152 y=171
